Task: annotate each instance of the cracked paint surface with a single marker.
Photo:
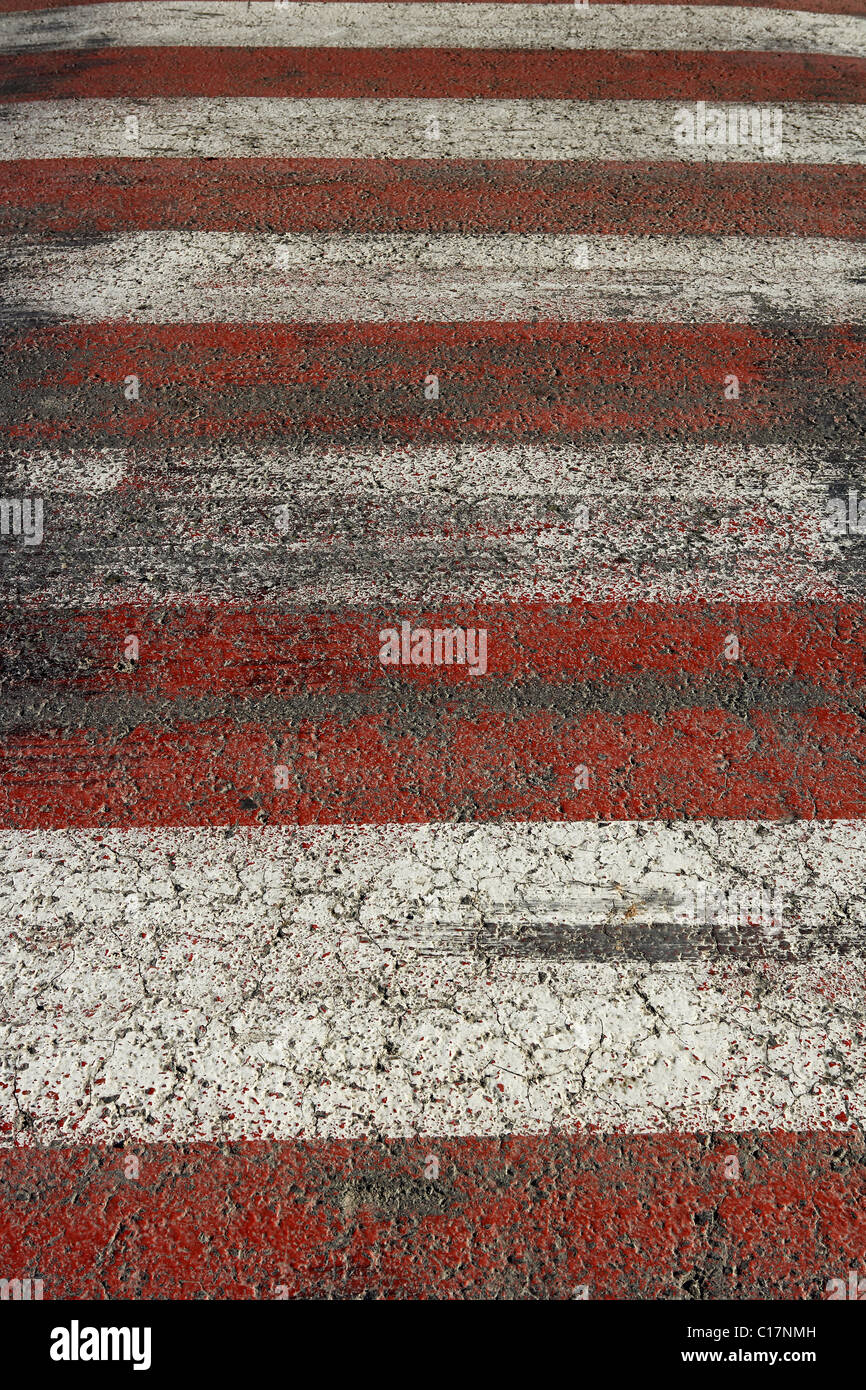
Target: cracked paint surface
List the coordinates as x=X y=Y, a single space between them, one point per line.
x=627 y=1218
x=208 y=984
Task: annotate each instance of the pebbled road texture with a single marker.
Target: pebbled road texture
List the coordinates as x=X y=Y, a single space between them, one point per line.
x=432 y=650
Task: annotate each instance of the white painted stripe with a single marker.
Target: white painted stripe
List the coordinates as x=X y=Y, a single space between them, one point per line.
x=370 y=526
x=468 y=128
x=214 y=277
x=788 y=478
x=236 y=23
x=277 y=968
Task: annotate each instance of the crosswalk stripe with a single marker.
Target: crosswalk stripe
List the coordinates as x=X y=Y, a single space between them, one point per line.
x=263 y=24
x=337 y=128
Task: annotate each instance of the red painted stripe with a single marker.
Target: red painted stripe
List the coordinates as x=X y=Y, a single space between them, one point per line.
x=92 y=196
x=424 y=72
x=230 y=651
x=494 y=764
x=343 y=381
x=645 y=1217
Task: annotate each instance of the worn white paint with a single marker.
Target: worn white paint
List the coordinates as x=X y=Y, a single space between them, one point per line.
x=193 y=984
x=264 y=24
x=218 y=277
x=392 y=128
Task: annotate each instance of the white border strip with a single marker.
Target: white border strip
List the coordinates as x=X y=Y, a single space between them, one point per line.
x=264 y=24
x=214 y=277
x=261 y=984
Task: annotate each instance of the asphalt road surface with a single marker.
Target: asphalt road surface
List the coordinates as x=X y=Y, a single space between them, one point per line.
x=432 y=743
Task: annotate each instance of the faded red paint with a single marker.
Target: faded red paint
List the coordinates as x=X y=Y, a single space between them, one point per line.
x=641 y=1217
x=233 y=650
x=496 y=74
x=421 y=195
